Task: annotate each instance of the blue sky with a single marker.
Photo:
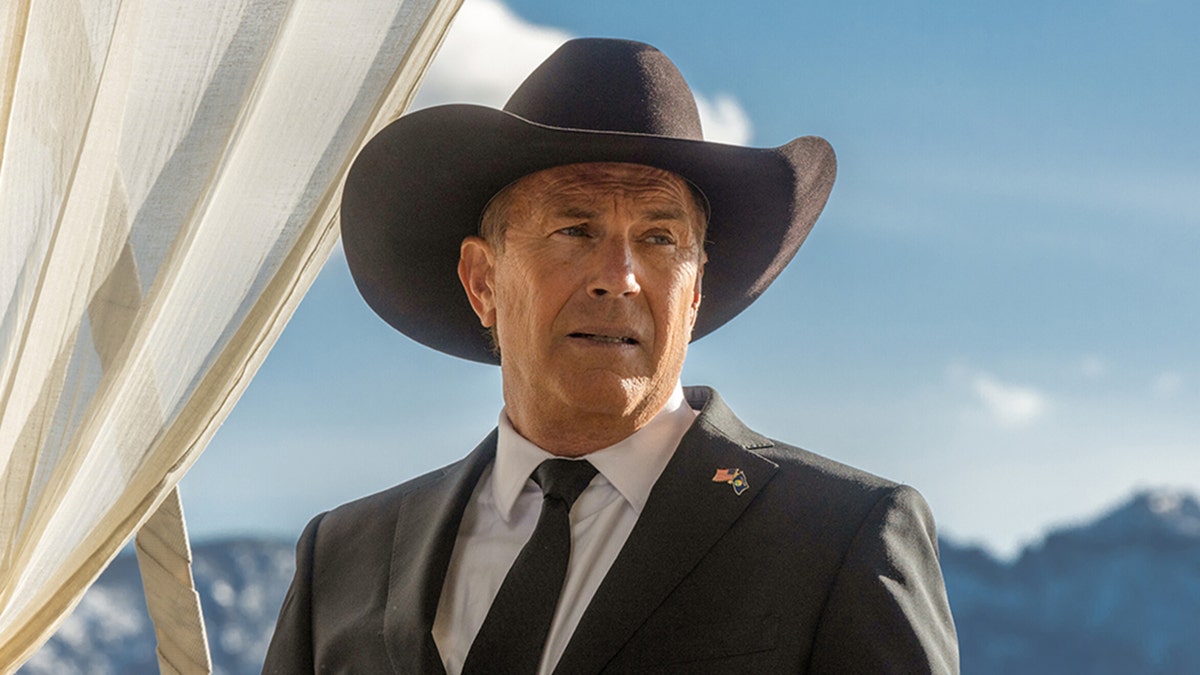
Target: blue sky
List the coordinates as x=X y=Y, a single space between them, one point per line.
x=999 y=305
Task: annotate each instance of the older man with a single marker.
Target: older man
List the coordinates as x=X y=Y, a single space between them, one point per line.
x=613 y=522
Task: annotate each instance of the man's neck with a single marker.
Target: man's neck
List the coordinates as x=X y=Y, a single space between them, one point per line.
x=575 y=433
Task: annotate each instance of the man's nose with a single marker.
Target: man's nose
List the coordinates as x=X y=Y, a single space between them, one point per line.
x=614 y=270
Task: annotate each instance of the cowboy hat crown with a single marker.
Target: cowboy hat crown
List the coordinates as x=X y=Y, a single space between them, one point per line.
x=611 y=85
x=420 y=186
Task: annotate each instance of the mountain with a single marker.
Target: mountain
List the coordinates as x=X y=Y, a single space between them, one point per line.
x=1120 y=594
x=1117 y=595
x=241 y=583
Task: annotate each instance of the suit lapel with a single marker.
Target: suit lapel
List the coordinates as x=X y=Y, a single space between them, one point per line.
x=686 y=513
x=426 y=528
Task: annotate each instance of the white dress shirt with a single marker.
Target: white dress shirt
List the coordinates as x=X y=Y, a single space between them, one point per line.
x=504 y=509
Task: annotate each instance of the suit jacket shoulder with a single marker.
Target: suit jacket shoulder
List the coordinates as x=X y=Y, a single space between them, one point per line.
x=369 y=574
x=812 y=566
x=886 y=608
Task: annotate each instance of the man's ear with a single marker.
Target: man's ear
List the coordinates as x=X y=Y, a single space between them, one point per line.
x=696 y=292
x=476 y=266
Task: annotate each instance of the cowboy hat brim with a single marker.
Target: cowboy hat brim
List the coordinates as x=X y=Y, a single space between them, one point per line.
x=419 y=187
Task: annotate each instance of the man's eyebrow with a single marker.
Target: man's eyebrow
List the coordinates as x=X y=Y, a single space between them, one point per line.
x=666 y=213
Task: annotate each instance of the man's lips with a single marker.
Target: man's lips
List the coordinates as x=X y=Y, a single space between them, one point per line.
x=604 y=338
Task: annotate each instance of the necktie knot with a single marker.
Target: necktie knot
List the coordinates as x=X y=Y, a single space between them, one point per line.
x=564 y=479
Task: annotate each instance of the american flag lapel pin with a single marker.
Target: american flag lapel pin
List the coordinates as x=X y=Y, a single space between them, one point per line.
x=734 y=477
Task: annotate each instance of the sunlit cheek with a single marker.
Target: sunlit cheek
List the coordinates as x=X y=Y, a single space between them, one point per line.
x=557 y=269
x=511 y=304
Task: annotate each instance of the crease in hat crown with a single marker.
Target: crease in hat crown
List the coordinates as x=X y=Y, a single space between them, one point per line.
x=419 y=187
x=634 y=80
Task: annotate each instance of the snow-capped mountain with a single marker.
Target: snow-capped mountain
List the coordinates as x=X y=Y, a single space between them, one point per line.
x=241 y=583
x=1120 y=594
x=1117 y=595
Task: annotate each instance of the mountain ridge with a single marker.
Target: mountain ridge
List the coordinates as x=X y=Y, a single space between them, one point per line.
x=1117 y=594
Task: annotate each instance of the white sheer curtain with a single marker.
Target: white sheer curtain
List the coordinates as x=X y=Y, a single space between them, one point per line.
x=169 y=179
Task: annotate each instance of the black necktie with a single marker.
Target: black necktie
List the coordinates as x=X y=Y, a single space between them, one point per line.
x=513 y=635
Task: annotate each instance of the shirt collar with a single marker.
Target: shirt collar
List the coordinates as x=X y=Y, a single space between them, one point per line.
x=631 y=465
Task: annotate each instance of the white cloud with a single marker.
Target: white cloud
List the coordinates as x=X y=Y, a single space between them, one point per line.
x=1010 y=405
x=724 y=120
x=1007 y=405
x=1168 y=384
x=489 y=50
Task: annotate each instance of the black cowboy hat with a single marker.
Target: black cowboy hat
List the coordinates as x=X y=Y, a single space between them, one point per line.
x=420 y=186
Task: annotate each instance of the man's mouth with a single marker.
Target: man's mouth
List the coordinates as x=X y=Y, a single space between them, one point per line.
x=608 y=339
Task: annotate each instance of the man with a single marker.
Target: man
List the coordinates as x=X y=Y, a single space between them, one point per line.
x=613 y=522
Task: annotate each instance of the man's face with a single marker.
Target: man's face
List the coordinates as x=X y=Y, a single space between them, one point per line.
x=592 y=292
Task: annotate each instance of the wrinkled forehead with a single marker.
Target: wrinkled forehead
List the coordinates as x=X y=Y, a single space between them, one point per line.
x=577 y=184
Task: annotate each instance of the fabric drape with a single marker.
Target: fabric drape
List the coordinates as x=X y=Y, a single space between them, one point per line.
x=169 y=180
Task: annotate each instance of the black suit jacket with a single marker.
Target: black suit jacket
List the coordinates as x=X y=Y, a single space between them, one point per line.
x=816 y=567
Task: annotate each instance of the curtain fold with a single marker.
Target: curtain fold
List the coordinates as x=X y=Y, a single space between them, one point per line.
x=165 y=561
x=169 y=180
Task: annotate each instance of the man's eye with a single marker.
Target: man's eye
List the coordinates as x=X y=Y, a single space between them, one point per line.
x=574 y=231
x=660 y=239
